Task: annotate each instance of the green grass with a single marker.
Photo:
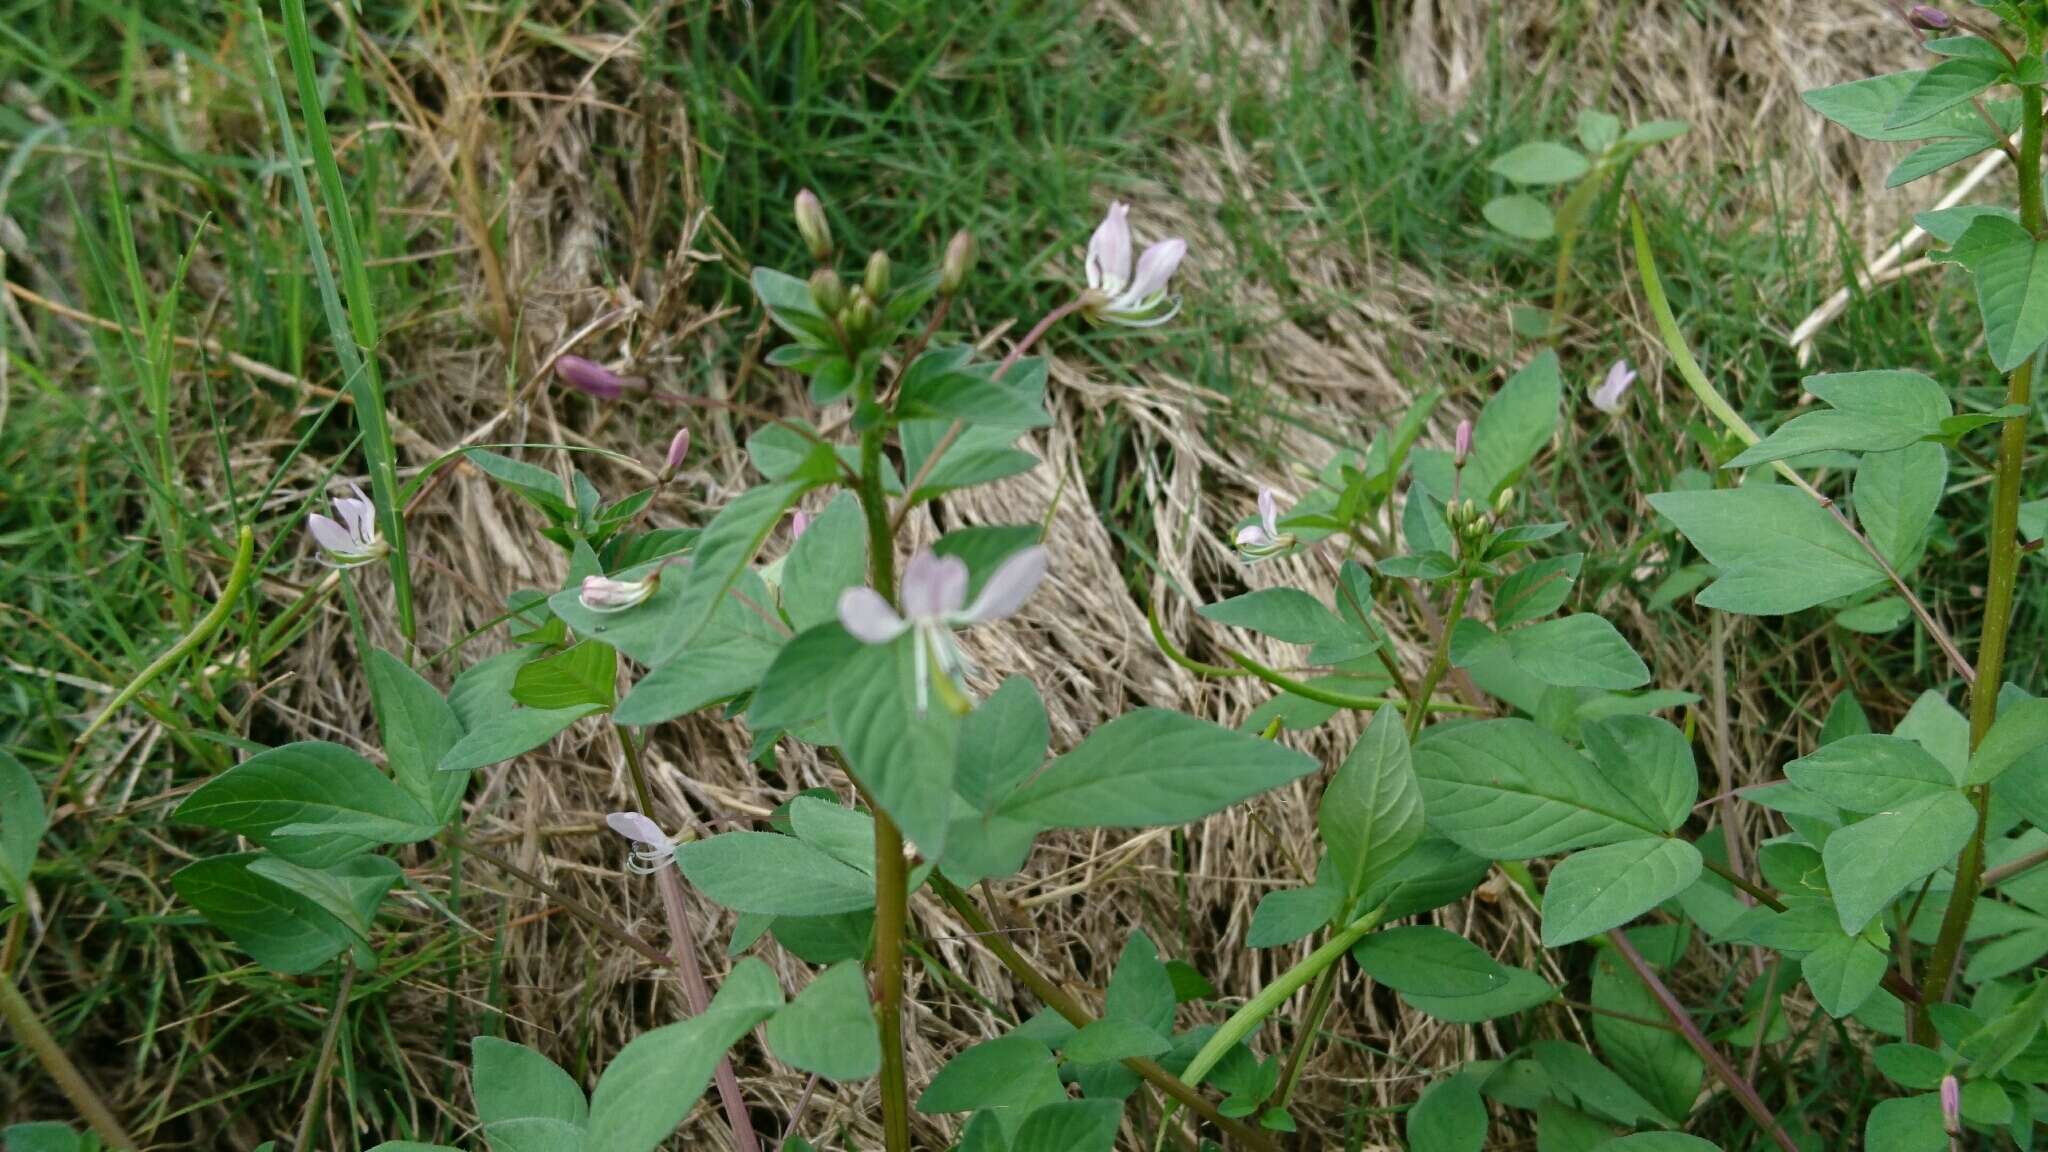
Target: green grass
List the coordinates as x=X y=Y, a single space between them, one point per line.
x=130 y=459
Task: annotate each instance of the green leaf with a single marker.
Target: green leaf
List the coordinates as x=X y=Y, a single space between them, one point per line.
x=829 y=1029
x=1523 y=217
x=1910 y=1065
x=656 y=1078
x=1424 y=960
x=22 y=823
x=796 y=690
x=840 y=832
x=418 y=728
x=313 y=803
x=43 y=1136
x=729 y=543
x=279 y=929
x=980 y=455
x=1597 y=131
x=1141 y=989
x=1431 y=875
x=2021 y=729
x=1880 y=411
x=942 y=384
x=1602 y=888
x=1449 y=1117
x=773 y=874
x=904 y=757
x=1540 y=162
x=1524 y=990
x=1579 y=651
x=583 y=674
x=539 y=486
x=1843 y=973
x=1656 y=1062
x=1371 y=815
x=1990 y=1048
x=1870 y=862
x=2011 y=270
x=349 y=891
x=1648 y=763
x=1514 y=426
x=1659 y=1142
x=1002 y=742
x=1947 y=85
x=789 y=304
x=1865 y=107
x=830 y=557
x=1070 y=1126
x=514 y=1082
x=1776 y=550
x=1906 y=1124
x=1112 y=1039
x=1286 y=614
x=1007 y=1073
x=1926 y=161
x=1153 y=767
x=1560 y=1128
x=1582 y=1079
x=1896 y=497
x=1509 y=789
x=1870 y=773
x=1536 y=589
x=1655 y=132
x=515 y=732
x=1285 y=915
x=730 y=657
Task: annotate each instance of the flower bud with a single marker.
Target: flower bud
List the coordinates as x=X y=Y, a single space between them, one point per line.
x=592 y=378
x=678 y=447
x=812 y=225
x=1951 y=1106
x=799 y=521
x=1928 y=18
x=827 y=291
x=1503 y=503
x=876 y=281
x=860 y=315
x=605 y=594
x=1462 y=444
x=958 y=262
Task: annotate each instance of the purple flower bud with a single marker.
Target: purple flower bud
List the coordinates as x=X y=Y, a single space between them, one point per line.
x=1928 y=18
x=799 y=520
x=594 y=379
x=1462 y=444
x=678 y=447
x=1951 y=1106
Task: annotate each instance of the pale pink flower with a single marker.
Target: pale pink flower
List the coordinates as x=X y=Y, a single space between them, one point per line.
x=349 y=538
x=1461 y=444
x=594 y=379
x=1613 y=390
x=1119 y=294
x=651 y=847
x=1260 y=541
x=606 y=594
x=935 y=603
x=678 y=448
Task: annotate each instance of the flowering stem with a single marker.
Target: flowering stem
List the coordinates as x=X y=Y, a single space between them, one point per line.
x=1440 y=662
x=1998 y=595
x=28 y=1028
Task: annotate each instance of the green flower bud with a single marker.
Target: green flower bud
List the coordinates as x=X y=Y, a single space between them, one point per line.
x=958 y=262
x=812 y=225
x=827 y=292
x=876 y=281
x=860 y=315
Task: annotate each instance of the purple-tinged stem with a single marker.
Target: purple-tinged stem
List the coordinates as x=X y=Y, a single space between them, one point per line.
x=697 y=994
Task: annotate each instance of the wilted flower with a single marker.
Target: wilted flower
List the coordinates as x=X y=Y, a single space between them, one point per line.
x=349 y=538
x=594 y=379
x=1461 y=444
x=935 y=603
x=605 y=594
x=1609 y=395
x=1118 y=295
x=1928 y=18
x=1256 y=542
x=651 y=848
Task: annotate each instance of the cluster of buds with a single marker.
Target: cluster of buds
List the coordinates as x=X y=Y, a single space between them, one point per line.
x=1473 y=523
x=858 y=309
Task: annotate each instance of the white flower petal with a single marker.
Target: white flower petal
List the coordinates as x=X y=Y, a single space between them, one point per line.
x=1253 y=536
x=331 y=536
x=637 y=828
x=1155 y=270
x=868 y=617
x=1269 y=512
x=933 y=585
x=1009 y=586
x=1109 y=252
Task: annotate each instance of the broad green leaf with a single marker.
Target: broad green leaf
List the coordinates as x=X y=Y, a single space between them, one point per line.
x=1153 y=767
x=1069 y=1126
x=1602 y=888
x=1865 y=107
x=1002 y=742
x=349 y=891
x=1990 y=1048
x=1009 y=1073
x=1560 y=1128
x=1581 y=1078
x=1931 y=158
x=656 y=1078
x=1285 y=614
x=1776 y=550
x=730 y=657
x=1880 y=411
x=830 y=557
x=2011 y=270
x=1111 y=1039
x=902 y=751
x=538 y=485
x=1947 y=85
x=1596 y=130
x=22 y=823
x=582 y=674
x=789 y=304
x=1524 y=990
x=1936 y=725
x=1536 y=589
x=1948 y=224
x=1434 y=873
x=984 y=547
x=1285 y=915
x=1424 y=960
x=1579 y=651
x=1509 y=789
x=2020 y=730
x=1371 y=815
x=1540 y=162
x=280 y=929
x=1905 y=1124
x=773 y=874
x=515 y=732
x=722 y=552
x=840 y=832
x=1520 y=216
x=1911 y=1065
x=418 y=727
x=1649 y=764
x=1141 y=989
x=795 y=693
x=1896 y=496
x=514 y=1082
x=312 y=802
x=1843 y=973
x=1657 y=1063
x=1870 y=773
x=942 y=384
x=1448 y=1117
x=982 y=454
x=829 y=1029
x=825 y=940
x=1659 y=1142
x=1871 y=862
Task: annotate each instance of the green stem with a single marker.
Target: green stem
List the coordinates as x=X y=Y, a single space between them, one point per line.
x=1319 y=998
x=28 y=1027
x=1440 y=662
x=1998 y=595
x=324 y=1068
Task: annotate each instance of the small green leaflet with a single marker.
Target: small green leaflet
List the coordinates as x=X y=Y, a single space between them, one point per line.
x=1881 y=411
x=1871 y=862
x=1540 y=162
x=2021 y=729
x=2011 y=270
x=1371 y=814
x=349 y=891
x=773 y=874
x=1777 y=551
x=656 y=1078
x=1449 y=1117
x=1424 y=960
x=1520 y=216
x=280 y=929
x=419 y=727
x=584 y=673
x=829 y=1028
x=1509 y=789
x=1870 y=773
x=514 y=1083
x=313 y=803
x=22 y=822
x=1285 y=614
x=1577 y=651
x=1153 y=767
x=1947 y=85
x=1606 y=887
x=1896 y=497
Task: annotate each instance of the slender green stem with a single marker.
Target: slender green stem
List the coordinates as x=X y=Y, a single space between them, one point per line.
x=28 y=1027
x=1246 y=666
x=1319 y=999
x=1074 y=1012
x=316 y=1100
x=1440 y=662
x=1998 y=594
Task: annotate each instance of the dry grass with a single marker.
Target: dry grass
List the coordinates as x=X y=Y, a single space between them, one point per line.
x=507 y=115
